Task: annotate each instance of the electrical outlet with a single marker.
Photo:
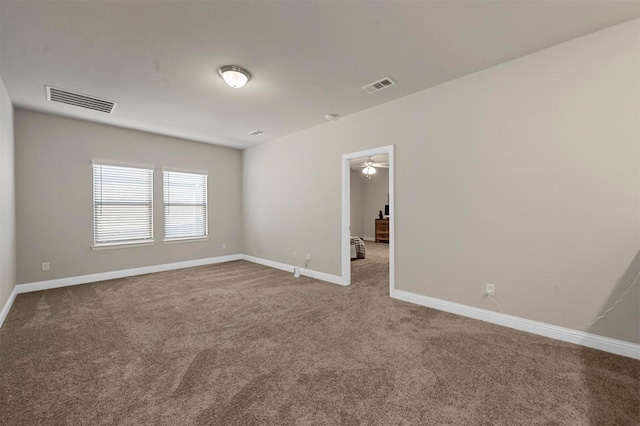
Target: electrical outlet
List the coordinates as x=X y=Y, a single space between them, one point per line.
x=308 y=256
x=295 y=254
x=489 y=289
x=46 y=266
x=224 y=246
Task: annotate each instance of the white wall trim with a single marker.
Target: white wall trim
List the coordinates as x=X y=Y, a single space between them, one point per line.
x=7 y=306
x=102 y=276
x=618 y=347
x=369 y=239
x=322 y=276
x=269 y=263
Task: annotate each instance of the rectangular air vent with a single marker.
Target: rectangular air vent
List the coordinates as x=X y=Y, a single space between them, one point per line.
x=257 y=133
x=378 y=85
x=79 y=100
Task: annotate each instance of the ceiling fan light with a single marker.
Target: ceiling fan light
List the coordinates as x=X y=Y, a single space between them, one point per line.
x=369 y=170
x=234 y=75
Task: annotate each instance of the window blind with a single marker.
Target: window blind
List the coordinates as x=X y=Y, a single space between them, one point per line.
x=185 y=205
x=122 y=204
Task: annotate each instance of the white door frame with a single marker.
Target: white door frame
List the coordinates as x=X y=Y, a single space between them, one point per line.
x=346 y=213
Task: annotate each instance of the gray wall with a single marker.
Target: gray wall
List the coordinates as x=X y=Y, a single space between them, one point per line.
x=357 y=204
x=368 y=197
x=7 y=199
x=376 y=194
x=54 y=195
x=524 y=175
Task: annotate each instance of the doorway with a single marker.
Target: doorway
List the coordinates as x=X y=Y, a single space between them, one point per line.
x=346 y=212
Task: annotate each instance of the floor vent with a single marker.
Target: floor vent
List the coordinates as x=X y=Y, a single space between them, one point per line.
x=378 y=85
x=79 y=100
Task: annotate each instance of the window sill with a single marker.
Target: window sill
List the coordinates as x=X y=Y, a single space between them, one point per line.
x=121 y=245
x=185 y=240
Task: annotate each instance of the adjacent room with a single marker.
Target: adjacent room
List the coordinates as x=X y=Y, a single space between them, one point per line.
x=319 y=212
x=369 y=216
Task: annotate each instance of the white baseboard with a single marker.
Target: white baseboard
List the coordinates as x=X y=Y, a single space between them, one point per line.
x=269 y=263
x=91 y=278
x=322 y=276
x=369 y=239
x=103 y=276
x=7 y=306
x=85 y=279
x=618 y=347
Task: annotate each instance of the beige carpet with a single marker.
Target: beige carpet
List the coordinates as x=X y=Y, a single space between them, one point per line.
x=242 y=344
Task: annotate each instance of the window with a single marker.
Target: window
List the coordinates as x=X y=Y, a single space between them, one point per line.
x=185 y=205
x=122 y=205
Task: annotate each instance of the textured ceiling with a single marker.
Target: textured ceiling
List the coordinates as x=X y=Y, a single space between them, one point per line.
x=158 y=60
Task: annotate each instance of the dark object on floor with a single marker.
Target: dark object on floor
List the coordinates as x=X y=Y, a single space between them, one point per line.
x=357 y=248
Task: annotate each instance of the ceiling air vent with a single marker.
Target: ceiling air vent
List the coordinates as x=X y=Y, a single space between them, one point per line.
x=79 y=100
x=257 y=133
x=378 y=85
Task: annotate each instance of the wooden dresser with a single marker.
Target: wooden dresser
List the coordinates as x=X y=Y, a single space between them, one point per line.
x=382 y=230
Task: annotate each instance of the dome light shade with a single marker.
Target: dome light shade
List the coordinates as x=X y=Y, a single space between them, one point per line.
x=234 y=75
x=369 y=170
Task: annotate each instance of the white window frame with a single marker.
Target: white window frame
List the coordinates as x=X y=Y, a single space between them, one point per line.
x=122 y=243
x=185 y=239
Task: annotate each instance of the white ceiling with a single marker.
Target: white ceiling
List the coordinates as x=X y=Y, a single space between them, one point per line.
x=158 y=60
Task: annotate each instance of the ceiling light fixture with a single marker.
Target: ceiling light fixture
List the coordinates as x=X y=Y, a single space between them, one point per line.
x=369 y=169
x=234 y=75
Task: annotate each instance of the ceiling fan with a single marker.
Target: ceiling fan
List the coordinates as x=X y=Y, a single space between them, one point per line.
x=369 y=167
